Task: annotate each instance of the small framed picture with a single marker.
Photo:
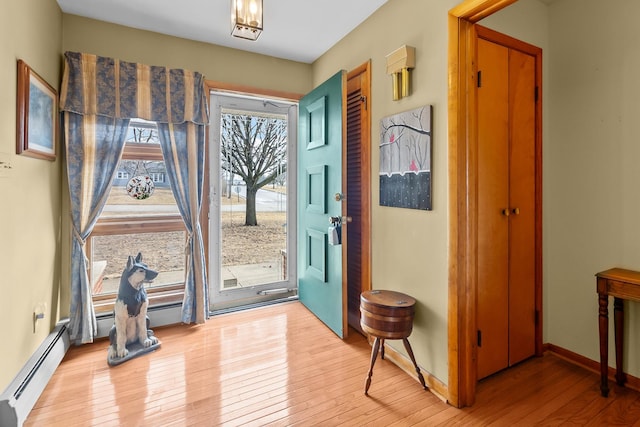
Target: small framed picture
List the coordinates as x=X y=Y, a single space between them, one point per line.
x=36 y=115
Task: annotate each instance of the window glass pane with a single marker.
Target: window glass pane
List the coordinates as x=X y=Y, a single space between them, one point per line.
x=142 y=132
x=140 y=186
x=254 y=199
x=161 y=251
x=122 y=200
x=140 y=215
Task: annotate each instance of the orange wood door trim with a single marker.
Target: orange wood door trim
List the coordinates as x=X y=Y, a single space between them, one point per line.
x=359 y=84
x=462 y=197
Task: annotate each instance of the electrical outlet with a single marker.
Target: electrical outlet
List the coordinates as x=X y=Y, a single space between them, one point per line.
x=39 y=312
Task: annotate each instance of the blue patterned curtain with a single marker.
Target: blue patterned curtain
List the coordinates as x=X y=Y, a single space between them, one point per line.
x=183 y=147
x=94 y=85
x=94 y=146
x=97 y=98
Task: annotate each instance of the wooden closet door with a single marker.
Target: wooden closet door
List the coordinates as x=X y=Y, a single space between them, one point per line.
x=493 y=205
x=506 y=207
x=522 y=203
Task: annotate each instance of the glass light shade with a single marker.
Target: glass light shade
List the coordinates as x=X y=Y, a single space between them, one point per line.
x=246 y=19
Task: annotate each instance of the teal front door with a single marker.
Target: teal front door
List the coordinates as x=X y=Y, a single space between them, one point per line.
x=320 y=257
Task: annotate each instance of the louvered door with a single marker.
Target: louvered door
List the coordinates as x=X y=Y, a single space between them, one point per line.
x=354 y=172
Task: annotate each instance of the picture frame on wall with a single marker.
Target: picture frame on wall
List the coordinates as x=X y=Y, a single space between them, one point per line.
x=405 y=159
x=36 y=115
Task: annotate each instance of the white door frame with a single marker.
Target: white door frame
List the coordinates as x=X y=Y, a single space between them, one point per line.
x=221 y=299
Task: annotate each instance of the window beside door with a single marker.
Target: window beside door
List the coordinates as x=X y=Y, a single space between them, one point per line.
x=134 y=220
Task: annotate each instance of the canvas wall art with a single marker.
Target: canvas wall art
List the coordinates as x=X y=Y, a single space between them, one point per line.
x=405 y=159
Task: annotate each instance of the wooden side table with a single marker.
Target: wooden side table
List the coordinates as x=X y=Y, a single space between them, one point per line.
x=387 y=315
x=621 y=284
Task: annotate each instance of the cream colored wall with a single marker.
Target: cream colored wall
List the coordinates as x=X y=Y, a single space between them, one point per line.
x=214 y=62
x=590 y=155
x=410 y=247
x=592 y=196
x=30 y=214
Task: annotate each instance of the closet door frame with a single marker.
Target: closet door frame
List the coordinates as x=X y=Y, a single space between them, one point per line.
x=462 y=148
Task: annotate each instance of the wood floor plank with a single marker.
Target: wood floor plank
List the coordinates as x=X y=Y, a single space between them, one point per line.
x=280 y=366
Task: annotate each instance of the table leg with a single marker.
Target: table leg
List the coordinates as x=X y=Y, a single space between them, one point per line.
x=618 y=324
x=374 y=355
x=382 y=348
x=603 y=323
x=407 y=347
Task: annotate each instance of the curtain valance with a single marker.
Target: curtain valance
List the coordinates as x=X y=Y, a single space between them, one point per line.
x=95 y=85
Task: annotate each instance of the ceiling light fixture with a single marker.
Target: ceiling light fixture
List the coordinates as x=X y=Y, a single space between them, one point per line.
x=246 y=19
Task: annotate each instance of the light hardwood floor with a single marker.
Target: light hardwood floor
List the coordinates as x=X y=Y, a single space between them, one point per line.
x=279 y=365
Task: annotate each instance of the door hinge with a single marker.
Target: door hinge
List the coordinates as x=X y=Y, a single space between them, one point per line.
x=479 y=338
x=536 y=94
x=479 y=79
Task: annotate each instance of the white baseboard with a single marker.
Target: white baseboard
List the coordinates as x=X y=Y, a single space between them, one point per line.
x=158 y=316
x=17 y=400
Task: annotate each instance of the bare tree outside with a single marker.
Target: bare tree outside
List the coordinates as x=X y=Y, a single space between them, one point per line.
x=254 y=147
x=143 y=135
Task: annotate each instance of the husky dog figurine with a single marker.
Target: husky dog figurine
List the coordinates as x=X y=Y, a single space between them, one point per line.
x=131 y=326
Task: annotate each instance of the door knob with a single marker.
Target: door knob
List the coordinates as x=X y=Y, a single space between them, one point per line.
x=339 y=219
x=339 y=197
x=505 y=212
x=516 y=211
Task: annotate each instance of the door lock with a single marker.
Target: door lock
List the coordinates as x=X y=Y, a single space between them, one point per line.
x=338 y=220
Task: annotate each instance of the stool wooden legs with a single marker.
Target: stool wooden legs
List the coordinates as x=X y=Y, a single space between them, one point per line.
x=374 y=356
x=407 y=346
x=378 y=345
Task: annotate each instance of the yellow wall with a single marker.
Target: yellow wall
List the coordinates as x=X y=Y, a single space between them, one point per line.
x=409 y=247
x=592 y=173
x=590 y=161
x=590 y=157
x=214 y=62
x=30 y=214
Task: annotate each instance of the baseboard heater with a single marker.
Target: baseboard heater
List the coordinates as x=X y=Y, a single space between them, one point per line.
x=17 y=400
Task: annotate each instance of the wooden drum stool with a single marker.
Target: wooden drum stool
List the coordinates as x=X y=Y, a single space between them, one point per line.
x=387 y=315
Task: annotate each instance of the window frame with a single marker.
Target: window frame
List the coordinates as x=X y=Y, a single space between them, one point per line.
x=157 y=295
x=222 y=299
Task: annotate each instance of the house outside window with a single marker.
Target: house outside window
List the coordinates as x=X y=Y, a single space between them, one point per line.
x=157 y=177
